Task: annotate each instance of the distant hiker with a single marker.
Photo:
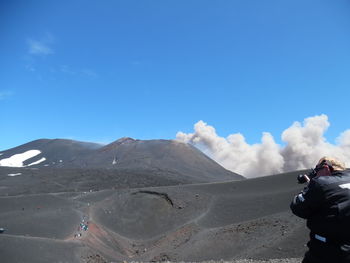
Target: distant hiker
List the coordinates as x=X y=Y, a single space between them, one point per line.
x=325 y=203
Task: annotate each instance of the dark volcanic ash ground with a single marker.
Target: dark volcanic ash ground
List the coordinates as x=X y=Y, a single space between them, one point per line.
x=148 y=201
x=248 y=219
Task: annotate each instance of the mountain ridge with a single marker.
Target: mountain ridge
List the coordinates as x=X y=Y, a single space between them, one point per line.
x=169 y=157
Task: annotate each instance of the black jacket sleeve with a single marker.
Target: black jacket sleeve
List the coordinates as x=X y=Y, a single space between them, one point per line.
x=308 y=202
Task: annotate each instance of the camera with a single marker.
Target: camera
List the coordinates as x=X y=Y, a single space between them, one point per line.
x=322 y=169
x=305 y=178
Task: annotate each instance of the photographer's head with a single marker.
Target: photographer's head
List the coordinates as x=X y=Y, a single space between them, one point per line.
x=330 y=163
x=325 y=167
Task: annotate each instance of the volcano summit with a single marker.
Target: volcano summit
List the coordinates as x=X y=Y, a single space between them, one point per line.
x=134 y=200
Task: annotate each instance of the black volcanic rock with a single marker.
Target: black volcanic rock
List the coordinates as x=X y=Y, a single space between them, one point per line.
x=167 y=156
x=194 y=223
x=185 y=223
x=168 y=159
x=123 y=140
x=57 y=152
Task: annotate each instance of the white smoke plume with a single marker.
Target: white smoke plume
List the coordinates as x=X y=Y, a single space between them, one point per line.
x=304 y=145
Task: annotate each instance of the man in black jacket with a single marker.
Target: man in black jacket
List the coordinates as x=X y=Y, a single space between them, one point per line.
x=325 y=203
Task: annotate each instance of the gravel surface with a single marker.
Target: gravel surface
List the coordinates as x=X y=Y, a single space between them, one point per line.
x=281 y=260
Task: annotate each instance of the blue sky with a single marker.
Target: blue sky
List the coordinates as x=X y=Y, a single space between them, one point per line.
x=101 y=70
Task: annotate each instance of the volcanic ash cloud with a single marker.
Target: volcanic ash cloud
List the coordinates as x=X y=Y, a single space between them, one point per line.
x=304 y=145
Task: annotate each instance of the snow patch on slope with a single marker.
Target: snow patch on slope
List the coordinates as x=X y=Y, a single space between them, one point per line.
x=37 y=162
x=18 y=159
x=12 y=175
